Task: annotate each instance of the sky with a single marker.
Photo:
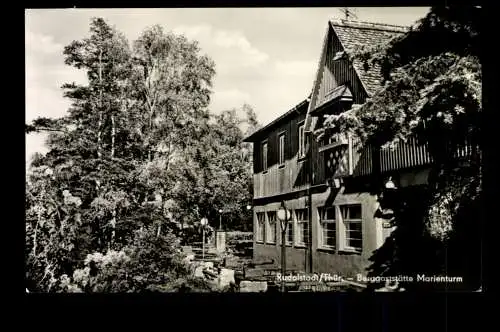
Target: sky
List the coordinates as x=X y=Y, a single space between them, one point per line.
x=265 y=57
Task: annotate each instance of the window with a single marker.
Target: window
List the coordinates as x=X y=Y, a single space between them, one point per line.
x=271 y=230
x=264 y=156
x=289 y=233
x=281 y=157
x=302 y=145
x=302 y=226
x=327 y=219
x=338 y=55
x=351 y=217
x=261 y=218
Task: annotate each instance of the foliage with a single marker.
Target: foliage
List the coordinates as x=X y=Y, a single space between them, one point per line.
x=215 y=174
x=432 y=91
x=150 y=263
x=137 y=156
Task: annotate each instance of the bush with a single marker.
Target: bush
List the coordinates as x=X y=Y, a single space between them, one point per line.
x=101 y=273
x=151 y=263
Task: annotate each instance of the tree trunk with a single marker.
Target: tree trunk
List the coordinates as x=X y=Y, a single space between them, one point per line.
x=113 y=226
x=34 y=236
x=150 y=132
x=99 y=125
x=99 y=138
x=151 y=102
x=113 y=134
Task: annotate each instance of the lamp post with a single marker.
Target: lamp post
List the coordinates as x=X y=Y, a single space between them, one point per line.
x=249 y=208
x=204 y=222
x=283 y=216
x=220 y=220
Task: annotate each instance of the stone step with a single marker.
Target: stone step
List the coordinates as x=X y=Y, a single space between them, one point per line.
x=247 y=286
x=207 y=249
x=206 y=257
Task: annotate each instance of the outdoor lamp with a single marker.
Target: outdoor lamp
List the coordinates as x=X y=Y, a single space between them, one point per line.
x=203 y=222
x=390 y=184
x=220 y=219
x=249 y=207
x=283 y=216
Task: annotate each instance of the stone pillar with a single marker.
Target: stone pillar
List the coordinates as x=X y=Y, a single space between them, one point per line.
x=220 y=241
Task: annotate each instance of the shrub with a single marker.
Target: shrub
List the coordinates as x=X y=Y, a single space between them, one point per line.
x=151 y=263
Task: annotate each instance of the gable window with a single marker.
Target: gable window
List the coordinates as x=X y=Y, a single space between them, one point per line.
x=352 y=224
x=302 y=145
x=271 y=229
x=339 y=55
x=264 y=156
x=260 y=227
x=327 y=220
x=281 y=150
x=302 y=226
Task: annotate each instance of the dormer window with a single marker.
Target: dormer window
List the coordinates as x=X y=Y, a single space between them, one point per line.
x=338 y=55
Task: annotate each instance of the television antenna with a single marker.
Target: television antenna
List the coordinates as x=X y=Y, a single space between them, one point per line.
x=348 y=13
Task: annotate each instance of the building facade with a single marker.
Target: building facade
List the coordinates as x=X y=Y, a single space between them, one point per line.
x=329 y=184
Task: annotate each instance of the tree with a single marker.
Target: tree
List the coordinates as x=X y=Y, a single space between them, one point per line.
x=173 y=88
x=137 y=152
x=82 y=154
x=172 y=83
x=216 y=173
x=432 y=92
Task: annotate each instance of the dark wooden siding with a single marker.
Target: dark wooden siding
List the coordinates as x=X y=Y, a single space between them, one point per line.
x=257 y=161
x=293 y=146
x=294 y=175
x=336 y=73
x=318 y=164
x=404 y=155
x=278 y=179
x=272 y=148
x=364 y=157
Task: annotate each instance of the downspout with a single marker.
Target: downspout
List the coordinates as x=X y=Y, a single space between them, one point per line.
x=309 y=203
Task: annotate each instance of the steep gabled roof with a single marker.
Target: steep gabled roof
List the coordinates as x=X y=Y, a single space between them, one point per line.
x=299 y=108
x=353 y=34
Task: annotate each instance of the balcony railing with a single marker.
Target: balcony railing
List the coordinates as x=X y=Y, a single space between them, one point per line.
x=337 y=157
x=343 y=157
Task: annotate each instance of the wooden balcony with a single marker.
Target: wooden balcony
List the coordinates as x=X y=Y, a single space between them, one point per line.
x=336 y=158
x=342 y=159
x=339 y=158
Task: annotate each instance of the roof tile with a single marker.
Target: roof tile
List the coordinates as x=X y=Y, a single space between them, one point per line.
x=353 y=34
